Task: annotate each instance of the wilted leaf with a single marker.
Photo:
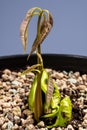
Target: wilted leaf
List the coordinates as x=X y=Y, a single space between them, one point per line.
x=49 y=94
x=45 y=27
x=32 y=68
x=24 y=26
x=38 y=108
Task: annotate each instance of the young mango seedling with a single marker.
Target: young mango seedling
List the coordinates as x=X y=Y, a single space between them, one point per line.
x=44 y=98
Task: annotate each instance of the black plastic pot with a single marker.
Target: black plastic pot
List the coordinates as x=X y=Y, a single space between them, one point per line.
x=54 y=61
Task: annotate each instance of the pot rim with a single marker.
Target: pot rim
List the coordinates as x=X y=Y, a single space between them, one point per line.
x=55 y=61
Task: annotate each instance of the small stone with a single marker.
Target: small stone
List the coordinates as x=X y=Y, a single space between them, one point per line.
x=10 y=125
x=81 y=102
x=81 y=128
x=14 y=73
x=80 y=80
x=7 y=71
x=84 y=123
x=85 y=117
x=1 y=86
x=72 y=80
x=17 y=120
x=29 y=120
x=17 y=111
x=17 y=83
x=59 y=128
x=0 y=108
x=85 y=111
x=84 y=77
x=21 y=90
x=2 y=120
x=13 y=91
x=5 y=77
x=4 y=126
x=15 y=127
x=81 y=87
x=27 y=112
x=70 y=127
x=11 y=78
x=58 y=75
x=76 y=74
x=10 y=116
x=6 y=104
x=41 y=124
x=30 y=127
x=53 y=129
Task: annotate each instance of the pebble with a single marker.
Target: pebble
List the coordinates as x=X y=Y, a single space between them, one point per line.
x=5 y=77
x=84 y=77
x=17 y=120
x=15 y=127
x=10 y=116
x=2 y=120
x=17 y=111
x=85 y=117
x=9 y=125
x=17 y=83
x=4 y=126
x=6 y=104
x=27 y=112
x=69 y=127
x=82 y=88
x=76 y=74
x=58 y=75
x=30 y=127
x=72 y=80
x=85 y=111
x=41 y=124
x=14 y=90
x=7 y=71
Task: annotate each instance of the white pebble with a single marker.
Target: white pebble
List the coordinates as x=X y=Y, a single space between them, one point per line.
x=72 y=80
x=16 y=82
x=10 y=125
x=70 y=127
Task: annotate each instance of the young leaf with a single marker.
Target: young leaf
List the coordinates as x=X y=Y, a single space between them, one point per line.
x=44 y=81
x=65 y=112
x=31 y=97
x=56 y=97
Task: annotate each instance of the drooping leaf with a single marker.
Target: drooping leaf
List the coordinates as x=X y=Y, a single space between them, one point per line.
x=24 y=26
x=31 y=68
x=45 y=27
x=49 y=94
x=38 y=108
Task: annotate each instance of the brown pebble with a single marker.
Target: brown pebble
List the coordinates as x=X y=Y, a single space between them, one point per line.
x=7 y=71
x=81 y=87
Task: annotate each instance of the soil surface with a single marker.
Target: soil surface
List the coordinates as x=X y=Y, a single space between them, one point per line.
x=14 y=91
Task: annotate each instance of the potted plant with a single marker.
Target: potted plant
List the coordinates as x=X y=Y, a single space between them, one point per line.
x=38 y=97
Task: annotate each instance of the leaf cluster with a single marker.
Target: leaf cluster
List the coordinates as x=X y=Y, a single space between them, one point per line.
x=44 y=98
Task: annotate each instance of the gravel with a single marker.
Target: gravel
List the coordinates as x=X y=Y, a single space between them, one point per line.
x=14 y=91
